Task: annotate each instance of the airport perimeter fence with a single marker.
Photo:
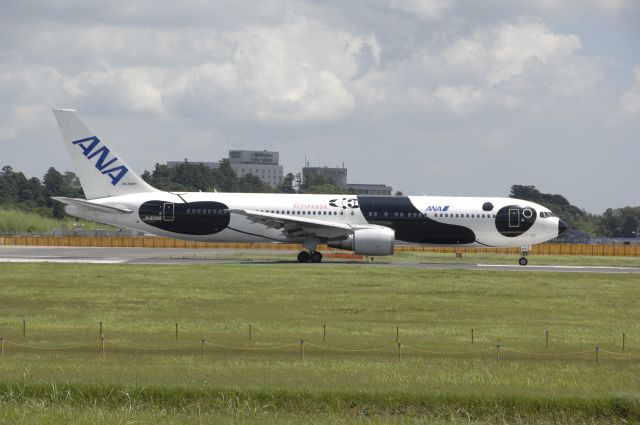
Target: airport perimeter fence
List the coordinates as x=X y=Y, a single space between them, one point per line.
x=317 y=347
x=161 y=242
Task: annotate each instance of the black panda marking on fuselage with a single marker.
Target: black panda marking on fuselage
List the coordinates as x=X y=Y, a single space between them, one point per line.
x=409 y=223
x=188 y=218
x=514 y=220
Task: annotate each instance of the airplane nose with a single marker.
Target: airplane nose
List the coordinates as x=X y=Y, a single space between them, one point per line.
x=562 y=227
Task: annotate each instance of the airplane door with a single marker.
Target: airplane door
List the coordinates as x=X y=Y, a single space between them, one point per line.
x=167 y=211
x=514 y=217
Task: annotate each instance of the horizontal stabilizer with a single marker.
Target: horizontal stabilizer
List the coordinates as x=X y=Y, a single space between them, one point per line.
x=92 y=206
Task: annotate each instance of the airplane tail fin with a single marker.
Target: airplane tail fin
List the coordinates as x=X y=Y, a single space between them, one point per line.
x=100 y=169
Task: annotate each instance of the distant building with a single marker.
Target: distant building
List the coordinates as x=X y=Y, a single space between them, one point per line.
x=262 y=164
x=369 y=189
x=338 y=177
x=334 y=176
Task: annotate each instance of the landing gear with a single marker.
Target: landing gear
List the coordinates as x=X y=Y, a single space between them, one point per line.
x=305 y=257
x=524 y=250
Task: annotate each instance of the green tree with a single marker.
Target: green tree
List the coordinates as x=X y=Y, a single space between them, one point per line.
x=328 y=189
x=287 y=184
x=252 y=184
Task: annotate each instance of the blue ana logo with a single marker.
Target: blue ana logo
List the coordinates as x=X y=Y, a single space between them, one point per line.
x=91 y=148
x=438 y=208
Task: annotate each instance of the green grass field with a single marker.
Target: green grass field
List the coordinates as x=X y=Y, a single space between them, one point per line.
x=354 y=376
x=19 y=221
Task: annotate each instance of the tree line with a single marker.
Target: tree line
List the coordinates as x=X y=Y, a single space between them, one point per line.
x=614 y=222
x=32 y=194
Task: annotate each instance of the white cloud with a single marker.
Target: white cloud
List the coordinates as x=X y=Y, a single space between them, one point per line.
x=630 y=101
x=506 y=52
x=422 y=9
x=295 y=72
x=514 y=65
x=615 y=7
x=459 y=99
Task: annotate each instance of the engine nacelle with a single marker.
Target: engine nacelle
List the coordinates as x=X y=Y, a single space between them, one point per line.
x=378 y=241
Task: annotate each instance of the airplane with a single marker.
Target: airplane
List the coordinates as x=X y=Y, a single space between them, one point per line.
x=366 y=225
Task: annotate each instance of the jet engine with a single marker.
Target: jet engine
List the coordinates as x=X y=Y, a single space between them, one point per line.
x=377 y=241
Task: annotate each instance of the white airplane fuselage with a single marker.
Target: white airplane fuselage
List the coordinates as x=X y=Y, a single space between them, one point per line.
x=430 y=220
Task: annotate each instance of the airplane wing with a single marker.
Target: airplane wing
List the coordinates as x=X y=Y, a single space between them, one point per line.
x=297 y=227
x=82 y=203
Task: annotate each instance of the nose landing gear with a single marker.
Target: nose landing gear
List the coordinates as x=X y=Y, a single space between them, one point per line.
x=306 y=256
x=524 y=251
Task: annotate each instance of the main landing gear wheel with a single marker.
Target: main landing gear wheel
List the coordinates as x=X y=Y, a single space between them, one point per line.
x=305 y=257
x=316 y=257
x=523 y=261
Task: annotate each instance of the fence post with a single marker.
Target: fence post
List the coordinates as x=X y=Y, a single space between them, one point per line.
x=1 y=347
x=102 y=343
x=472 y=336
x=100 y=329
x=497 y=353
x=249 y=331
x=546 y=339
x=597 y=351
x=24 y=328
x=399 y=350
x=302 y=349
x=324 y=333
x=623 y=338
x=176 y=331
x=397 y=333
x=202 y=350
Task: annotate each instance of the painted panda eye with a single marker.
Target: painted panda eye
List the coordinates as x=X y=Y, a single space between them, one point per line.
x=527 y=213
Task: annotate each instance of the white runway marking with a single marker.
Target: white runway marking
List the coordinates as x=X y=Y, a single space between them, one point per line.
x=559 y=267
x=61 y=260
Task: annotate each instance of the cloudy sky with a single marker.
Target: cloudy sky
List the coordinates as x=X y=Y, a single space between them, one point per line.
x=442 y=97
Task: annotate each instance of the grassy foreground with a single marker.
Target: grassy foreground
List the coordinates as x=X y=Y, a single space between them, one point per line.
x=354 y=376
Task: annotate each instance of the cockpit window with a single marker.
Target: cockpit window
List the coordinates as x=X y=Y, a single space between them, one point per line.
x=546 y=214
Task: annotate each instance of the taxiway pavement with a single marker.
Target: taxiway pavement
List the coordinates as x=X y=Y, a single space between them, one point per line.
x=182 y=256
